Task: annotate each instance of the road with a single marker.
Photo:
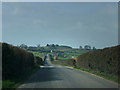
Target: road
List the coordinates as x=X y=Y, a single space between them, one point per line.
x=52 y=76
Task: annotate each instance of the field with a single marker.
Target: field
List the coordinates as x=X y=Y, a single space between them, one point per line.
x=38 y=53
x=61 y=52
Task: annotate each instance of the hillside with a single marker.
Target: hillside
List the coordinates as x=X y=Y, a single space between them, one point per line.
x=63 y=52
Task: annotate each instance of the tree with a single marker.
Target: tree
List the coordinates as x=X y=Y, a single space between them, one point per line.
x=80 y=47
x=23 y=46
x=57 y=45
x=87 y=47
x=53 y=46
x=47 y=45
x=38 y=45
x=94 y=48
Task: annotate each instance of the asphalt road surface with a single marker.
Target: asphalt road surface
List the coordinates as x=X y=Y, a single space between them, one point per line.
x=51 y=76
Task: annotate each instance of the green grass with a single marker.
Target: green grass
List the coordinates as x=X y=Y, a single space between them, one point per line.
x=37 y=53
x=0 y=84
x=73 y=54
x=69 y=55
x=14 y=83
x=62 y=58
x=106 y=76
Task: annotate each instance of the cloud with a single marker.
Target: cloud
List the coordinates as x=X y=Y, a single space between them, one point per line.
x=40 y=23
x=37 y=21
x=16 y=11
x=79 y=25
x=110 y=9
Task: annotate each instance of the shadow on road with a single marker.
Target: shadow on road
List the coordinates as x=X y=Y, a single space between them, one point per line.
x=45 y=74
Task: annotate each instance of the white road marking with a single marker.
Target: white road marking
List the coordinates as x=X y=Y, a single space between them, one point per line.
x=46 y=66
x=41 y=66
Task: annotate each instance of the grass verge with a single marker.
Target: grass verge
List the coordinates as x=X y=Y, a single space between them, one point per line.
x=18 y=80
x=62 y=58
x=106 y=76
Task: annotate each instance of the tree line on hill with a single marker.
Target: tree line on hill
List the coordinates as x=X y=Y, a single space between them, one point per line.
x=88 y=47
x=53 y=46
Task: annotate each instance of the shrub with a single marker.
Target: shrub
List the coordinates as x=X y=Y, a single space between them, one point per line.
x=39 y=60
x=15 y=61
x=103 y=60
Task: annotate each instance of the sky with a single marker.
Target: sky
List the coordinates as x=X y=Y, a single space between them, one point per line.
x=65 y=23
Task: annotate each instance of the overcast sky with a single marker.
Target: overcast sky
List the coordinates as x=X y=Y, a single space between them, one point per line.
x=63 y=23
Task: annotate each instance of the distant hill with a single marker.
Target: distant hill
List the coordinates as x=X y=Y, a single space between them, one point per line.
x=61 y=51
x=54 y=48
x=48 y=48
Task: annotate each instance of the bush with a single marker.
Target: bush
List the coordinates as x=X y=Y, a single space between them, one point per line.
x=102 y=61
x=39 y=60
x=15 y=61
